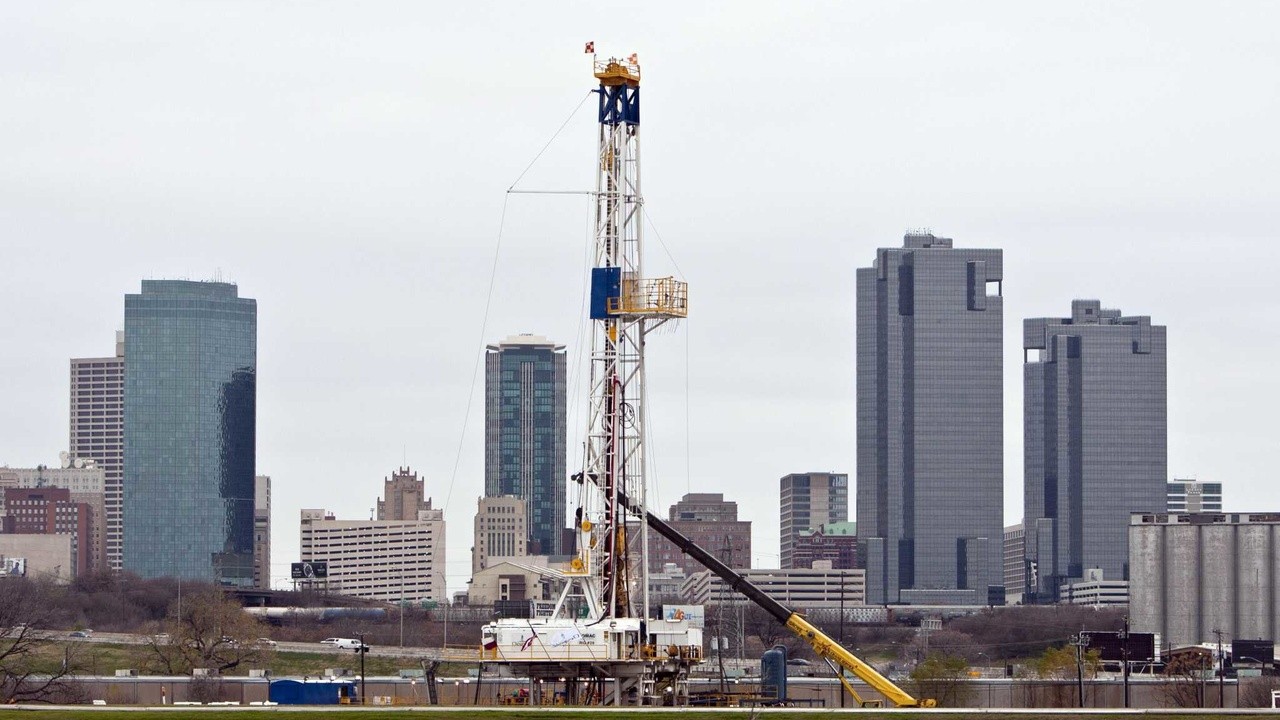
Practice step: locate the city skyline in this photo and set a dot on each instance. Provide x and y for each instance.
(355, 203)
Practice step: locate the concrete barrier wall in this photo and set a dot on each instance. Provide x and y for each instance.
(1144, 692)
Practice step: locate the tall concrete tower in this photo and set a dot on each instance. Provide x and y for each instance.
(930, 418)
(1096, 440)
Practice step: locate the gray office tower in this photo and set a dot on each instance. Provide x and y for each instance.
(189, 406)
(525, 435)
(930, 414)
(1094, 389)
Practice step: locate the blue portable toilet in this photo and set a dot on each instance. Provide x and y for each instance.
(773, 674)
(313, 692)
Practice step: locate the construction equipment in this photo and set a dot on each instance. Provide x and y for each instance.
(598, 643)
(836, 656)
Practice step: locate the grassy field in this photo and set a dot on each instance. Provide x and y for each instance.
(105, 659)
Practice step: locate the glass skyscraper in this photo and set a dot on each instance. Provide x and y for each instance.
(1096, 440)
(525, 435)
(190, 395)
(930, 424)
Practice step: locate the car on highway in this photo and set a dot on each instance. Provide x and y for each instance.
(80, 633)
(342, 643)
(266, 642)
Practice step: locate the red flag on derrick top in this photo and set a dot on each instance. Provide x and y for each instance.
(591, 48)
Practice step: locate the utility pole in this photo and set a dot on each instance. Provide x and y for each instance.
(727, 550)
(362, 651)
(842, 576)
(1222, 668)
(1080, 642)
(1124, 649)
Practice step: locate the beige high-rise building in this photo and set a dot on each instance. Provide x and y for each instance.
(386, 559)
(501, 530)
(262, 531)
(404, 495)
(97, 433)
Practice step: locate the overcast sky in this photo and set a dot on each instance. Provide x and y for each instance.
(346, 164)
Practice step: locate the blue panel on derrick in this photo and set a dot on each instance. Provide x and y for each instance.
(606, 284)
(619, 104)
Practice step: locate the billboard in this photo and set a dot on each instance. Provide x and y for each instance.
(1253, 651)
(1142, 646)
(694, 614)
(309, 570)
(15, 567)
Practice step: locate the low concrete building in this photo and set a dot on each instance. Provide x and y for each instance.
(390, 560)
(506, 579)
(665, 584)
(1193, 496)
(1193, 574)
(37, 556)
(1094, 590)
(797, 588)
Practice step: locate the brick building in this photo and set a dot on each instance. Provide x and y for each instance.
(710, 521)
(50, 511)
(836, 542)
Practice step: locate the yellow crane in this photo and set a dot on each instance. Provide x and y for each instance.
(840, 659)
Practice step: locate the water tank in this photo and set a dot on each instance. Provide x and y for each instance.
(773, 673)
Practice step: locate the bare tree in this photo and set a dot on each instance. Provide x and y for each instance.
(758, 622)
(1184, 679)
(34, 665)
(205, 630)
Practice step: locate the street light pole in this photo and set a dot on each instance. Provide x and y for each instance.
(1080, 642)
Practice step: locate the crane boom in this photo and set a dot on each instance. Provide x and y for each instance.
(826, 648)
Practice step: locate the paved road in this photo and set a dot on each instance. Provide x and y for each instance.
(292, 647)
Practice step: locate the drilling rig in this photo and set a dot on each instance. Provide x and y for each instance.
(601, 644)
(598, 642)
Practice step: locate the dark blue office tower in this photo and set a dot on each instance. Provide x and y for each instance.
(190, 400)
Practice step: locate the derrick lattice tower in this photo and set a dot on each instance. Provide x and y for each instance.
(625, 307)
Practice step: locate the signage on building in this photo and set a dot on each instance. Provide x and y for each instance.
(1261, 652)
(309, 570)
(1111, 647)
(13, 567)
(693, 614)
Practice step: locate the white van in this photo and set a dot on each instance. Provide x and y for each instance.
(342, 643)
